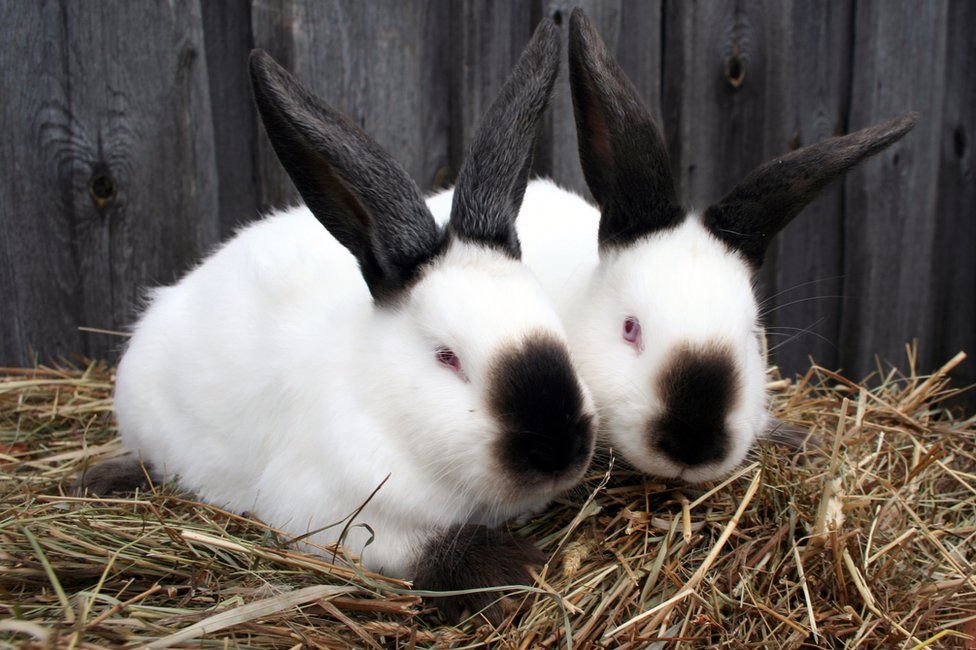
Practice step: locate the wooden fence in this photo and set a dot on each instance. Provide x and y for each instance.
(130, 145)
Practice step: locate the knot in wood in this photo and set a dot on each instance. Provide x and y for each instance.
(101, 186)
(735, 71)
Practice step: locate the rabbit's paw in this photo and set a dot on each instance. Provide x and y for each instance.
(476, 557)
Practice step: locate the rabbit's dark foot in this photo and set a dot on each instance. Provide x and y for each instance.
(117, 476)
(473, 557)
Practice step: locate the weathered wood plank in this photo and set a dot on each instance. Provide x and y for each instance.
(381, 63)
(632, 31)
(273, 23)
(891, 200)
(954, 265)
(807, 261)
(487, 38)
(725, 108)
(112, 168)
(131, 142)
(745, 81)
(38, 277)
(228, 38)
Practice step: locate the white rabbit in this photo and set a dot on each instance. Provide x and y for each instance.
(659, 303)
(300, 368)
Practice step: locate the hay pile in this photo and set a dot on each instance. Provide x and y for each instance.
(867, 539)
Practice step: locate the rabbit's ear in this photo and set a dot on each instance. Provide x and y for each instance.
(354, 188)
(622, 151)
(491, 183)
(750, 215)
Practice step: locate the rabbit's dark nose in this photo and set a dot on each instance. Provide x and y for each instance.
(697, 388)
(536, 397)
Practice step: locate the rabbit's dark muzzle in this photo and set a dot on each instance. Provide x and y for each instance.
(536, 396)
(698, 389)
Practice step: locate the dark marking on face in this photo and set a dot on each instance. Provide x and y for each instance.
(535, 395)
(473, 557)
(698, 389)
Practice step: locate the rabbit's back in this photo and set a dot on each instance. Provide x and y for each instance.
(557, 229)
(246, 380)
(214, 373)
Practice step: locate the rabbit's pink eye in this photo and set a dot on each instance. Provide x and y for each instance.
(632, 332)
(447, 358)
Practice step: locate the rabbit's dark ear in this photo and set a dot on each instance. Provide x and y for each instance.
(750, 215)
(492, 180)
(622, 151)
(354, 188)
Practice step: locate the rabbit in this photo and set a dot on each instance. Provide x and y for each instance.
(347, 366)
(658, 301)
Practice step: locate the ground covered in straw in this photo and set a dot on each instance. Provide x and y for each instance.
(866, 539)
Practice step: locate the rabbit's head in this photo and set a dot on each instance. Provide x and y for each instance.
(668, 338)
(463, 355)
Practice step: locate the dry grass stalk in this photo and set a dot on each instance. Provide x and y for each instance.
(867, 542)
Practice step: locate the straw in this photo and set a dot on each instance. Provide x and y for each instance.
(866, 538)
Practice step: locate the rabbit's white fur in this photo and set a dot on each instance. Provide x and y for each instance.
(268, 381)
(557, 231)
(350, 372)
(684, 286)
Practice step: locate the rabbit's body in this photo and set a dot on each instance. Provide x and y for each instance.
(350, 371)
(296, 435)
